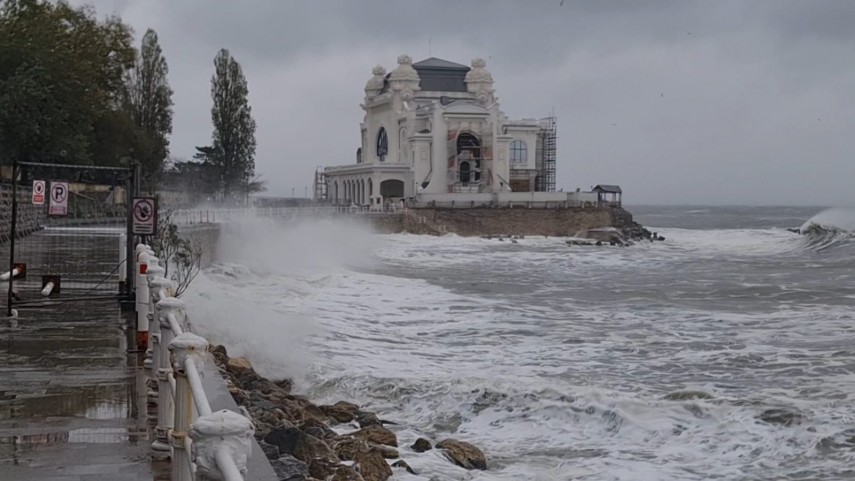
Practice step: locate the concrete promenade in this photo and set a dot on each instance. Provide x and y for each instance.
(72, 395)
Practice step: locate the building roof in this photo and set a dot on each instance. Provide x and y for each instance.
(608, 188)
(438, 75)
(434, 62)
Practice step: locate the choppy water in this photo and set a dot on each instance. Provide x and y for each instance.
(557, 360)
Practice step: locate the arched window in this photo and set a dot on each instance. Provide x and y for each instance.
(519, 152)
(382, 145)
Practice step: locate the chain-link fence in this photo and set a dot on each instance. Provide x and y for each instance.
(68, 238)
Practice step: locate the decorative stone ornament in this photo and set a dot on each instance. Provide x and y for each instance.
(405, 70)
(375, 83)
(226, 432)
(480, 81)
(187, 345)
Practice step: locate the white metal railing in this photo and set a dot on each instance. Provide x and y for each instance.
(201, 444)
(205, 216)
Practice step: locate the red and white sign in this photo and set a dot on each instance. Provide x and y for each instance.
(38, 192)
(58, 198)
(145, 215)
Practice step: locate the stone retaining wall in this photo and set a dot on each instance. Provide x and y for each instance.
(206, 237)
(486, 221)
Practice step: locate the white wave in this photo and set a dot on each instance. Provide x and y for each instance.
(837, 218)
(560, 387)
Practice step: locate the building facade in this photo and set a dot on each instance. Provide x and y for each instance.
(434, 128)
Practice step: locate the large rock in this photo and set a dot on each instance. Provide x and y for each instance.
(378, 435)
(342, 411)
(239, 366)
(323, 468)
(221, 357)
(365, 419)
(372, 466)
(463, 454)
(346, 473)
(289, 468)
(298, 444)
(421, 445)
(317, 429)
(346, 447)
(403, 465)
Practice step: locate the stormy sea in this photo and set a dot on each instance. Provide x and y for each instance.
(724, 352)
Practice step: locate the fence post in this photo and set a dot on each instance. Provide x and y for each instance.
(162, 367)
(222, 443)
(142, 297)
(184, 346)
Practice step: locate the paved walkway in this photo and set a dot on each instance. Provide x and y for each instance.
(72, 399)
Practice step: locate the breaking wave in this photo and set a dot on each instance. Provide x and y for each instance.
(718, 354)
(831, 228)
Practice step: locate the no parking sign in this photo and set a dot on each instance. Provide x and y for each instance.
(58, 198)
(145, 215)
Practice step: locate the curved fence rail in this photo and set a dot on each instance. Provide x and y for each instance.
(219, 215)
(201, 444)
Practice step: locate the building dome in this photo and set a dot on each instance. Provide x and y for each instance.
(405, 70)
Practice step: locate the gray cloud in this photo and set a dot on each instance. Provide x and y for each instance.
(678, 101)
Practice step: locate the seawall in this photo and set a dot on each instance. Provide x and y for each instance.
(205, 237)
(519, 221)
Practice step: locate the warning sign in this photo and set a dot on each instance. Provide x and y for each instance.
(145, 216)
(58, 198)
(38, 192)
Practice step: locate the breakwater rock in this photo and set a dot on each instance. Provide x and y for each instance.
(340, 442)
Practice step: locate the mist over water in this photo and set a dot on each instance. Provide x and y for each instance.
(558, 361)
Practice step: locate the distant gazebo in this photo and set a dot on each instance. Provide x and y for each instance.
(608, 195)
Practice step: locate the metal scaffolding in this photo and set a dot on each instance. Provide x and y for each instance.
(545, 181)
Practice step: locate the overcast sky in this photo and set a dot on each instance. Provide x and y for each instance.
(689, 102)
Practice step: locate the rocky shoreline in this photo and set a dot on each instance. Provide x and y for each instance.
(301, 443)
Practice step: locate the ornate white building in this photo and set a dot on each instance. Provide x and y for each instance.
(433, 129)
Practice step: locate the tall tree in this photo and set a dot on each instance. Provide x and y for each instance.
(149, 100)
(234, 127)
(61, 77)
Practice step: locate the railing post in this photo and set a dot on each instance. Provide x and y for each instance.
(162, 368)
(142, 297)
(182, 347)
(222, 443)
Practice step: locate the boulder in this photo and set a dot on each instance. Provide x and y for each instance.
(421, 445)
(269, 450)
(298, 444)
(285, 384)
(221, 357)
(346, 447)
(463, 454)
(238, 366)
(289, 468)
(317, 429)
(323, 468)
(403, 465)
(346, 473)
(372, 466)
(378, 435)
(366, 419)
(342, 411)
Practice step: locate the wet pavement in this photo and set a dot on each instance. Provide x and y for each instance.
(72, 396)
